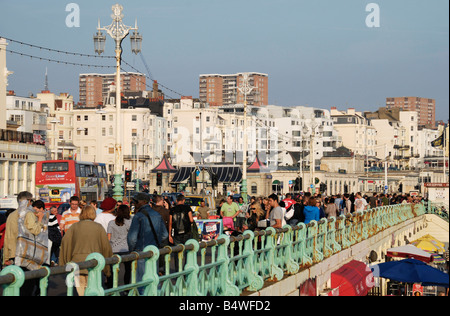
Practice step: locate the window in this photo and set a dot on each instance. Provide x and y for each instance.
(134, 118)
(55, 167)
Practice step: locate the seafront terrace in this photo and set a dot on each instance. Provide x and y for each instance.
(270, 262)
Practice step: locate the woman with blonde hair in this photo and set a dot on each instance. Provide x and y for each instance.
(256, 214)
(83, 238)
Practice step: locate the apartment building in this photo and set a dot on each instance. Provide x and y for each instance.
(425, 108)
(143, 135)
(94, 87)
(220, 90)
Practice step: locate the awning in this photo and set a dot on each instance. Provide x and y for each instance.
(182, 174)
(352, 279)
(227, 174)
(410, 251)
(257, 166)
(165, 166)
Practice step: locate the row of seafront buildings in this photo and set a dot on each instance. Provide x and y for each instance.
(342, 151)
(349, 149)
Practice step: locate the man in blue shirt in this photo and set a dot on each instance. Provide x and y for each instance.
(147, 228)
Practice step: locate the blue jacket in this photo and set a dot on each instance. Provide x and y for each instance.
(140, 234)
(311, 213)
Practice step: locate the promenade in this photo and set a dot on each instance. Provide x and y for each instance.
(234, 266)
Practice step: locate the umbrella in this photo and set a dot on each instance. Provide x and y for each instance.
(411, 271)
(410, 251)
(437, 258)
(430, 243)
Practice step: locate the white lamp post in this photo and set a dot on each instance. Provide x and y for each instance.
(245, 88)
(118, 31)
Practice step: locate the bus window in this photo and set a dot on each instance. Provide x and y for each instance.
(82, 171)
(55, 167)
(105, 175)
(77, 170)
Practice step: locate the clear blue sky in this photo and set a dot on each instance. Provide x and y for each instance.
(318, 53)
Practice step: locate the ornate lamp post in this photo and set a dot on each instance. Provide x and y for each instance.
(245, 88)
(118, 31)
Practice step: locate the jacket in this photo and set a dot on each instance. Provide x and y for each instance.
(140, 234)
(311, 213)
(82, 239)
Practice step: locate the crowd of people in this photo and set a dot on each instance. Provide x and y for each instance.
(34, 237)
(279, 210)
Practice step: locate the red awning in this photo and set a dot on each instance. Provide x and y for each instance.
(352, 279)
(411, 252)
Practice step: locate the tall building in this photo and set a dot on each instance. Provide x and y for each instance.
(94, 88)
(424, 107)
(220, 90)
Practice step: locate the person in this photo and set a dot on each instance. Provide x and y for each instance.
(360, 203)
(203, 211)
(117, 233)
(158, 205)
(373, 201)
(219, 207)
(298, 212)
(81, 239)
(108, 206)
(180, 222)
(384, 200)
(147, 228)
(331, 209)
(166, 203)
(54, 234)
(347, 205)
(288, 201)
(229, 211)
(311, 211)
(276, 215)
(26, 238)
(94, 203)
(240, 217)
(71, 216)
(256, 215)
(320, 207)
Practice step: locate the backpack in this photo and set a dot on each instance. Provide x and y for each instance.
(178, 223)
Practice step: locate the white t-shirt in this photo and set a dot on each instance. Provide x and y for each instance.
(104, 219)
(360, 204)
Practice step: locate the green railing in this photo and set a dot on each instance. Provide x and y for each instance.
(227, 266)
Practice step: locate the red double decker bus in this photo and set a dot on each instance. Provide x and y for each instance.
(58, 180)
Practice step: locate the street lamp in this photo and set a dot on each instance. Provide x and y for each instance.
(118, 31)
(245, 88)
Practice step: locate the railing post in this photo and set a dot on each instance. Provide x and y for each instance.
(276, 273)
(193, 268)
(13, 289)
(94, 283)
(228, 289)
(291, 266)
(255, 281)
(151, 271)
(301, 238)
(43, 283)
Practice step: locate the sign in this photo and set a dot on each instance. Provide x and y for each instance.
(312, 186)
(209, 229)
(436, 185)
(386, 187)
(417, 290)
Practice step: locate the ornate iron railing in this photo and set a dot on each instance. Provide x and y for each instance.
(227, 266)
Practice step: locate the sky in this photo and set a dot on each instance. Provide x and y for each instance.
(318, 53)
